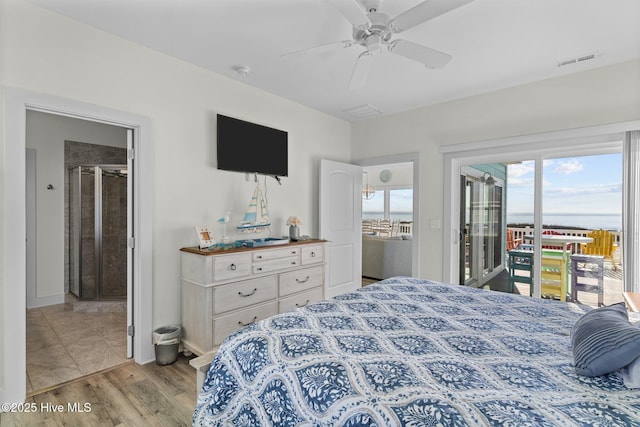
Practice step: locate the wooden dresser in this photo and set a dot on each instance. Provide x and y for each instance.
(224, 290)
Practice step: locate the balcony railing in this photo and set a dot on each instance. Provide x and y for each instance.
(520, 232)
(387, 228)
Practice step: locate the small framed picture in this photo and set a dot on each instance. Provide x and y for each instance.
(205, 237)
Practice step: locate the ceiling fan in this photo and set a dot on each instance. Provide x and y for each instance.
(374, 30)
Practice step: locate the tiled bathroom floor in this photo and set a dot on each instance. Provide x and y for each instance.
(63, 345)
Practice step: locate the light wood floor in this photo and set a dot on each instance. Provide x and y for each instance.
(130, 395)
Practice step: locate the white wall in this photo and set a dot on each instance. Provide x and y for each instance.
(46, 134)
(3, 225)
(602, 96)
(45, 53)
(401, 175)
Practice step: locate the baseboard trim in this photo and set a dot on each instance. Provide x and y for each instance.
(45, 301)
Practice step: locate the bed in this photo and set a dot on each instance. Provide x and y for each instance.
(407, 351)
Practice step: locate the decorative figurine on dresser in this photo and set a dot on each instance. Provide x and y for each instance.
(224, 289)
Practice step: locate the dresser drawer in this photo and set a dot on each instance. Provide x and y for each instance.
(246, 292)
(300, 300)
(269, 254)
(312, 254)
(300, 280)
(229, 323)
(275, 264)
(231, 266)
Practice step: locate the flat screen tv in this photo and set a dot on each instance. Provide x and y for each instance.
(250, 147)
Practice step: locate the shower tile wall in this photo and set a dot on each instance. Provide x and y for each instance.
(114, 236)
(76, 153)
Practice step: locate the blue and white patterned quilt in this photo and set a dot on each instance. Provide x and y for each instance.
(412, 352)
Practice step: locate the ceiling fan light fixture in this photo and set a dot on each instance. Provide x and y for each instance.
(373, 30)
(373, 43)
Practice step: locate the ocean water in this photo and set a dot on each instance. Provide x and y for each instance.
(586, 221)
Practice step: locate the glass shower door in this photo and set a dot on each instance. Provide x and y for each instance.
(82, 224)
(113, 247)
(98, 232)
(75, 228)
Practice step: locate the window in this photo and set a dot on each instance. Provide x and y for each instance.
(394, 204)
(374, 208)
(400, 204)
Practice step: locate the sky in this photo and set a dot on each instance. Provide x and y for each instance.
(572, 185)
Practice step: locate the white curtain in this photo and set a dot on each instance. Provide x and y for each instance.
(631, 211)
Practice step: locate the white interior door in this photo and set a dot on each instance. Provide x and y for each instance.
(341, 225)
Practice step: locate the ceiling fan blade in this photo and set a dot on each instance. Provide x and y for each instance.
(354, 13)
(423, 12)
(361, 70)
(318, 50)
(431, 58)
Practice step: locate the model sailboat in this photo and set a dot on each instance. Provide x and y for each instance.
(256, 218)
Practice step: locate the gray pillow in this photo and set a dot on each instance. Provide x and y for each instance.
(604, 341)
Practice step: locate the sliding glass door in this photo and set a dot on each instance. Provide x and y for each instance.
(549, 160)
(481, 223)
(552, 207)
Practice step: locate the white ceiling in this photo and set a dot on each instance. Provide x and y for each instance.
(494, 43)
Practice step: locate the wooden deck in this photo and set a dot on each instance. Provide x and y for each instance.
(613, 289)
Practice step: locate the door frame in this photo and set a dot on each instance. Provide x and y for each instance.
(405, 158)
(603, 139)
(17, 102)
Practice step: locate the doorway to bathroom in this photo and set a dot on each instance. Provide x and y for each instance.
(78, 262)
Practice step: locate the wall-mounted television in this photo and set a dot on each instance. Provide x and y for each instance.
(250, 147)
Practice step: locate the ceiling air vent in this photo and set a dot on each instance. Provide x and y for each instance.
(578, 59)
(364, 111)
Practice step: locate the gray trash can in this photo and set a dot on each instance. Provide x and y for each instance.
(166, 341)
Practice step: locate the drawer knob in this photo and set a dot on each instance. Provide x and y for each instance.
(306, 279)
(259, 269)
(249, 294)
(233, 267)
(259, 256)
(313, 254)
(247, 324)
(302, 305)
